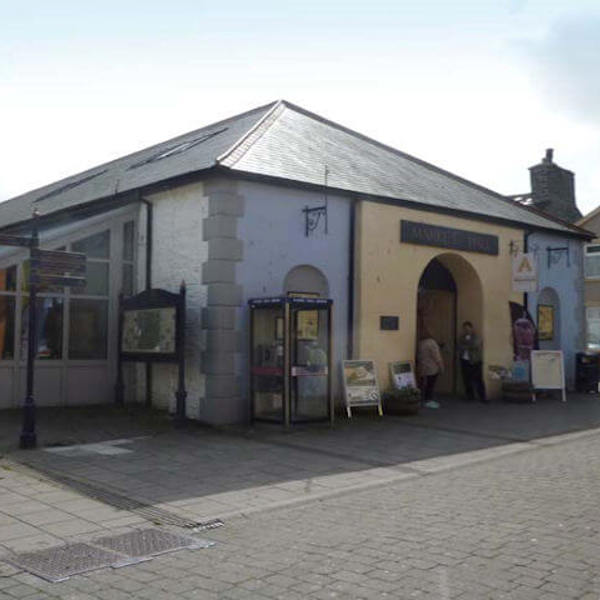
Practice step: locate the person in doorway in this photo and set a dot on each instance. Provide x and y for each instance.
(470, 352)
(430, 364)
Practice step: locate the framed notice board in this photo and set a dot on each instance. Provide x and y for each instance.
(152, 329)
(548, 371)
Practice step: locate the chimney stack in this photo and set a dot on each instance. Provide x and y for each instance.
(553, 189)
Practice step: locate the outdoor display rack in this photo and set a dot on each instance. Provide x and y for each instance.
(291, 351)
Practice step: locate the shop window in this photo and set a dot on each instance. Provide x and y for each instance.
(8, 279)
(592, 260)
(96, 280)
(88, 327)
(95, 246)
(49, 316)
(593, 326)
(7, 327)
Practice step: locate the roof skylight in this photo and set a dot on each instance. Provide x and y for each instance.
(177, 149)
(70, 185)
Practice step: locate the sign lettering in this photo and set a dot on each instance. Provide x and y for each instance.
(43, 279)
(53, 260)
(423, 234)
(524, 272)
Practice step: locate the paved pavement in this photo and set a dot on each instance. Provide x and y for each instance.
(466, 502)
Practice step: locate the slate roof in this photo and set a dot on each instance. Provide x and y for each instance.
(284, 141)
(188, 153)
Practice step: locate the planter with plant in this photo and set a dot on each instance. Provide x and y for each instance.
(404, 401)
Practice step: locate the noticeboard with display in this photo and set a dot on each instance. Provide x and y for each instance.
(150, 330)
(151, 326)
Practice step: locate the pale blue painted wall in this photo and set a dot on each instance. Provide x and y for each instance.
(273, 233)
(565, 277)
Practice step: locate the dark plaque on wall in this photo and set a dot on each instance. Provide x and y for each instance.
(388, 323)
(447, 237)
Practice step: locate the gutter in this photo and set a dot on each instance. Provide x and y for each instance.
(411, 204)
(218, 169)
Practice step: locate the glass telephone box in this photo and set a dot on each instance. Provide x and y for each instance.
(290, 359)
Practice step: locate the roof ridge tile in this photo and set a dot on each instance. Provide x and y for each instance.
(243, 144)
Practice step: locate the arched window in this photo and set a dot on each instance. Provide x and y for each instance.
(308, 279)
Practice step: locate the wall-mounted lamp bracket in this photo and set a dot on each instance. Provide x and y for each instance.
(312, 217)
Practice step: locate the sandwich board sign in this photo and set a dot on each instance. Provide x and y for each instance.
(360, 385)
(402, 375)
(524, 272)
(548, 371)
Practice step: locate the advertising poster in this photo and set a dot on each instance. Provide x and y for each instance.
(307, 321)
(360, 384)
(545, 313)
(402, 375)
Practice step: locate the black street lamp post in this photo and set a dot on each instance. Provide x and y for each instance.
(28, 434)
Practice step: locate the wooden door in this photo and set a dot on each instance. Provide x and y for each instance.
(437, 308)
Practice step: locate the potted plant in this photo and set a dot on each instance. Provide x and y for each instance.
(402, 401)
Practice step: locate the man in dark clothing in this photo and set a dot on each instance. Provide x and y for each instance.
(470, 352)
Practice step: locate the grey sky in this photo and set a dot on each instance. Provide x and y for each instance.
(566, 63)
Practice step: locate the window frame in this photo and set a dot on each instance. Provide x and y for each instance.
(115, 262)
(15, 324)
(587, 328)
(70, 371)
(74, 297)
(586, 254)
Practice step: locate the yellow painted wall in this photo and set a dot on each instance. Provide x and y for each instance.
(387, 277)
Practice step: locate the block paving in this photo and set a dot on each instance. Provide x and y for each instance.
(407, 511)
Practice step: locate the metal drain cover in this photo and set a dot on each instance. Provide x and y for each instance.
(150, 542)
(205, 525)
(59, 563)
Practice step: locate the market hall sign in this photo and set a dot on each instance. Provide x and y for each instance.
(446, 237)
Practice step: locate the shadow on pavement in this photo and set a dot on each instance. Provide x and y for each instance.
(201, 472)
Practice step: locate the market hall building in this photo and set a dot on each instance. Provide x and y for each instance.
(272, 201)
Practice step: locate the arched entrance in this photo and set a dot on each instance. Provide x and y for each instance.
(448, 294)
